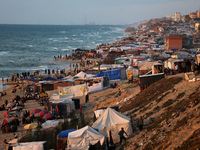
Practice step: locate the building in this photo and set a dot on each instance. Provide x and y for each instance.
(197, 26)
(176, 42)
(193, 15)
(177, 16)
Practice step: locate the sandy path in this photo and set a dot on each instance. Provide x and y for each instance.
(31, 104)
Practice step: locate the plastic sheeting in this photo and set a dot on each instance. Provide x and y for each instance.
(30, 145)
(112, 74)
(65, 133)
(77, 90)
(113, 121)
(82, 138)
(51, 123)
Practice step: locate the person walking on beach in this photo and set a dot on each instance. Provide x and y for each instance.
(121, 135)
(140, 123)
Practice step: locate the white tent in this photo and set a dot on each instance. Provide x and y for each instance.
(61, 97)
(113, 121)
(82, 138)
(39, 145)
(51, 123)
(83, 75)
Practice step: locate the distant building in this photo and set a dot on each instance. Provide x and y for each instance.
(198, 14)
(197, 26)
(193, 15)
(176, 42)
(186, 18)
(176, 17)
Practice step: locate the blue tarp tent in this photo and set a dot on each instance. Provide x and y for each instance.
(112, 74)
(65, 133)
(27, 80)
(49, 79)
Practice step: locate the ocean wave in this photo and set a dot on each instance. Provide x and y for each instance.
(62, 31)
(65, 49)
(29, 45)
(3, 53)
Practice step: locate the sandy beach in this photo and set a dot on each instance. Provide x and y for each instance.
(96, 100)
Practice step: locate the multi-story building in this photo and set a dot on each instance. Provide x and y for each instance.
(176, 42)
(193, 15)
(177, 16)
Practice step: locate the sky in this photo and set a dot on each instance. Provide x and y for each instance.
(78, 12)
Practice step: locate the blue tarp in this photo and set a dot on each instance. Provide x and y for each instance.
(112, 74)
(49, 79)
(27, 80)
(65, 133)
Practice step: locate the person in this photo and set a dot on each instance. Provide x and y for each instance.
(80, 110)
(140, 123)
(87, 98)
(121, 135)
(176, 68)
(6, 102)
(15, 136)
(119, 92)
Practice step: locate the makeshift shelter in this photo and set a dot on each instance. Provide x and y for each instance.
(49, 79)
(145, 67)
(85, 137)
(77, 90)
(131, 72)
(83, 75)
(58, 97)
(99, 112)
(63, 106)
(172, 62)
(64, 83)
(197, 59)
(39, 145)
(113, 74)
(113, 121)
(62, 138)
(51, 123)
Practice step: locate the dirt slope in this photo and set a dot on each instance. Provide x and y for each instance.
(173, 104)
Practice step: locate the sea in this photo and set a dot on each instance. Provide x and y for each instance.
(26, 48)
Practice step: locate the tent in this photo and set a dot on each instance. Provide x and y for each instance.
(63, 106)
(131, 72)
(65, 133)
(57, 97)
(49, 79)
(39, 145)
(84, 137)
(62, 138)
(83, 75)
(51, 123)
(113, 121)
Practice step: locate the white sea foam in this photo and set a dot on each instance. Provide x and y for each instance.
(3, 53)
(29, 45)
(65, 49)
